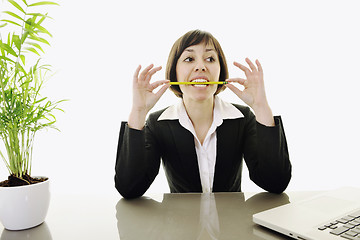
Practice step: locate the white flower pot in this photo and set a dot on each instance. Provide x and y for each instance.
(24, 207)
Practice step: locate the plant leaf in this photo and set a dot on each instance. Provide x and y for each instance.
(7, 59)
(39, 15)
(24, 36)
(2, 50)
(43, 3)
(36, 45)
(14, 15)
(16, 41)
(60, 109)
(7, 48)
(3, 25)
(40, 100)
(22, 57)
(15, 4)
(19, 67)
(9, 21)
(32, 50)
(42, 19)
(42, 29)
(39, 39)
(25, 2)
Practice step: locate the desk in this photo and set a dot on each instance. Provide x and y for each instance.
(156, 216)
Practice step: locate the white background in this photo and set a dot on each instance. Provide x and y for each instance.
(309, 51)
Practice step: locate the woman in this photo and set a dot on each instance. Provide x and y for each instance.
(202, 140)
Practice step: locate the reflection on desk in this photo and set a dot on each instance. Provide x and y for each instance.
(157, 216)
(40, 232)
(196, 216)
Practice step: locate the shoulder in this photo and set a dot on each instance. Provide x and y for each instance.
(155, 115)
(245, 110)
(160, 127)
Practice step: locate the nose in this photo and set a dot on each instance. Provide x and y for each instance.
(200, 66)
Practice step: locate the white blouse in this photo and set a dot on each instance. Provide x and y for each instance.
(206, 153)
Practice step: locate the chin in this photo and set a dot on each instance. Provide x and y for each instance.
(202, 98)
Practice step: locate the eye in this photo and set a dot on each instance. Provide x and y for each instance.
(210, 59)
(188, 59)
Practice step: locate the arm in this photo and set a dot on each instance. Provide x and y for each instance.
(137, 161)
(253, 93)
(144, 98)
(266, 155)
(265, 152)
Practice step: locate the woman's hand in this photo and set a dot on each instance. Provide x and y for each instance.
(253, 93)
(144, 99)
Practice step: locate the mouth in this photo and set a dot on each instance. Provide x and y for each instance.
(198, 82)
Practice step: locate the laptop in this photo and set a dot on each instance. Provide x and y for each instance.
(330, 215)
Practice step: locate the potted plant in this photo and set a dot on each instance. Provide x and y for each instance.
(24, 199)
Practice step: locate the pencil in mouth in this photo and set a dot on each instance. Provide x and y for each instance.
(195, 83)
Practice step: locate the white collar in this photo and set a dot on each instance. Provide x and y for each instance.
(226, 110)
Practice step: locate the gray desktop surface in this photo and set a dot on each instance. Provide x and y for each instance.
(156, 216)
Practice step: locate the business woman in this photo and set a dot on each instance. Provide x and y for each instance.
(202, 140)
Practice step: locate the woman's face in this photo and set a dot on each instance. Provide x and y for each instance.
(198, 63)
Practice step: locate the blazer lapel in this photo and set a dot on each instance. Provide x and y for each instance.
(226, 142)
(185, 146)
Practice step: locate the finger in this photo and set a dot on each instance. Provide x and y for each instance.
(152, 72)
(162, 91)
(136, 74)
(156, 84)
(237, 80)
(242, 67)
(235, 90)
(145, 71)
(259, 65)
(251, 65)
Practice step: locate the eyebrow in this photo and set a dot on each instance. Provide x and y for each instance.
(206, 50)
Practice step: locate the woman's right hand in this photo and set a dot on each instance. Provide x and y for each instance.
(144, 99)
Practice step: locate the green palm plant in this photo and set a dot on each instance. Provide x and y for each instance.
(23, 111)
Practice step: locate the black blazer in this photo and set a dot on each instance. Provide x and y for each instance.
(264, 150)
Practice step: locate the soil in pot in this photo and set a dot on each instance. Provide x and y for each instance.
(14, 181)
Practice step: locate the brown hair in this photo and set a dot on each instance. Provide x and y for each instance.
(191, 38)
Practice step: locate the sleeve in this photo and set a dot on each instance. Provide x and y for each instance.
(137, 161)
(266, 155)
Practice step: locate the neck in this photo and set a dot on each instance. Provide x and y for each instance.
(201, 116)
(199, 112)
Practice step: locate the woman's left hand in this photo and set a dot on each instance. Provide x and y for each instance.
(253, 93)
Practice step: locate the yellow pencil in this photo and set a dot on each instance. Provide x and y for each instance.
(193, 83)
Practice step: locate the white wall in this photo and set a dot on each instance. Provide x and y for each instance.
(309, 51)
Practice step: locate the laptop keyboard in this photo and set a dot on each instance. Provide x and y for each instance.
(347, 227)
